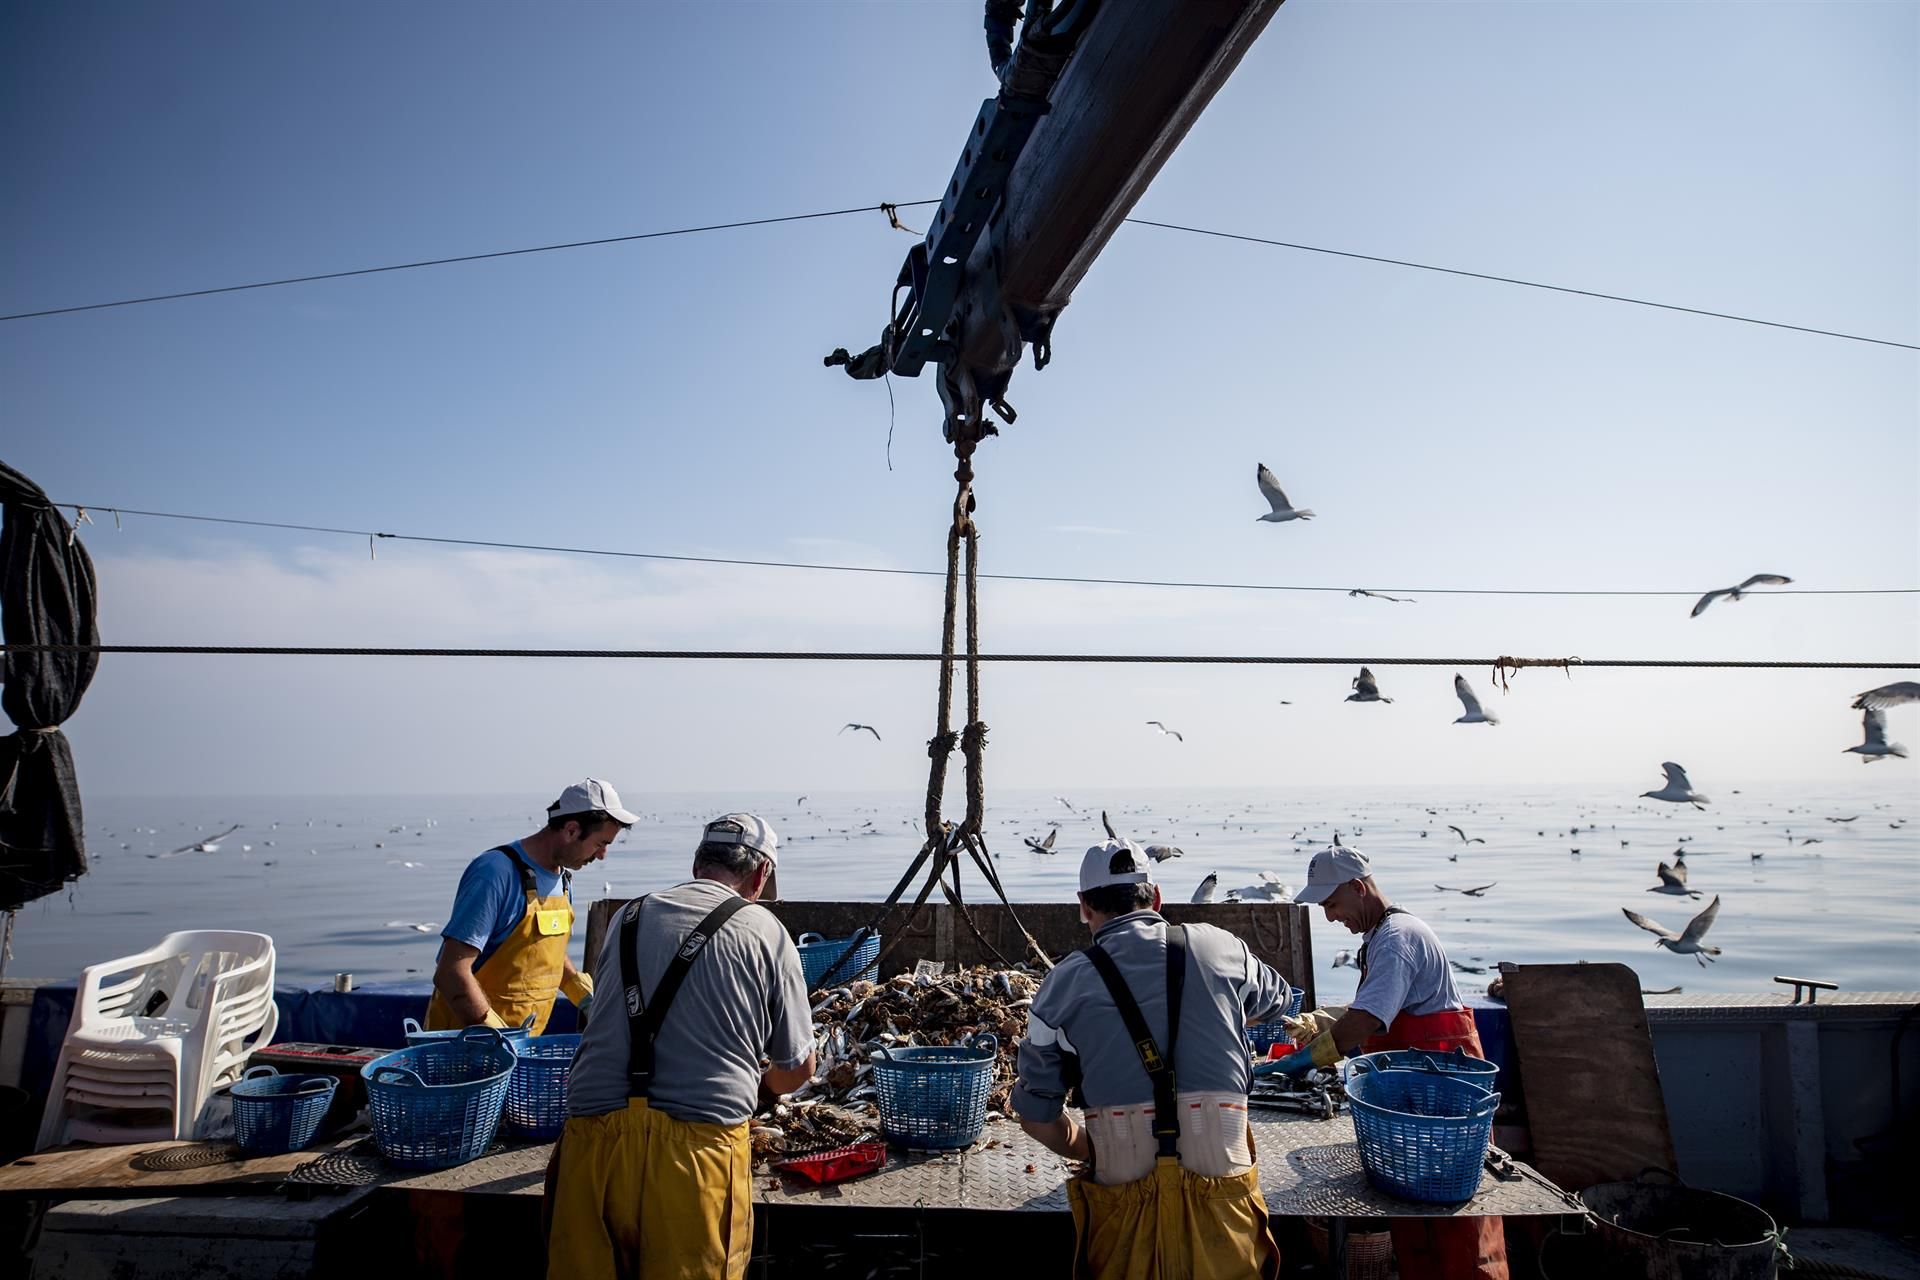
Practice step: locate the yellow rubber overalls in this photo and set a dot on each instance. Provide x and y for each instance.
(522, 976)
(1173, 1224)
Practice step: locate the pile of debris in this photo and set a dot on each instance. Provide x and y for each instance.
(853, 1022)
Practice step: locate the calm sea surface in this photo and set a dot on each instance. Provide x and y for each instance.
(325, 876)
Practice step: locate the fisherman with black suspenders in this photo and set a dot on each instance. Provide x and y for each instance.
(653, 1173)
(1150, 1021)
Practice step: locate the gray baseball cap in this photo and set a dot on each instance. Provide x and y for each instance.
(1332, 867)
(590, 795)
(746, 829)
(1115, 862)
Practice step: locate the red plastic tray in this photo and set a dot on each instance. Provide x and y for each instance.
(838, 1164)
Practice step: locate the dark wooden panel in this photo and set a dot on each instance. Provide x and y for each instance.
(1592, 1087)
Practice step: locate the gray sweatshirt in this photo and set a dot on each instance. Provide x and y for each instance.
(1226, 988)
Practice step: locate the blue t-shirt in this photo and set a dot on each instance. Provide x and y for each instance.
(490, 904)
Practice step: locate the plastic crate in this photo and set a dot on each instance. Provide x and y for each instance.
(1422, 1132)
(935, 1098)
(1262, 1036)
(437, 1105)
(274, 1114)
(821, 954)
(537, 1093)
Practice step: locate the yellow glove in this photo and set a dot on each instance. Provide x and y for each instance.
(495, 1020)
(578, 988)
(1312, 1023)
(1324, 1051)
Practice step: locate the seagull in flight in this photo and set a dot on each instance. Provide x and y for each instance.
(1043, 846)
(1345, 960)
(210, 845)
(1161, 852)
(1282, 509)
(1205, 892)
(869, 728)
(1172, 733)
(1873, 723)
(1888, 695)
(1464, 838)
(1477, 891)
(1474, 715)
(1381, 595)
(1366, 689)
(1673, 879)
(1678, 790)
(1687, 941)
(1063, 800)
(1739, 592)
(418, 926)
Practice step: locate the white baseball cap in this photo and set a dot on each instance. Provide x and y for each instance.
(1332, 867)
(589, 796)
(1115, 862)
(746, 829)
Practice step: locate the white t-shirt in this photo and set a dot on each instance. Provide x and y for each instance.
(1407, 971)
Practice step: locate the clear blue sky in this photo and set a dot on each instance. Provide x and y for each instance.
(668, 396)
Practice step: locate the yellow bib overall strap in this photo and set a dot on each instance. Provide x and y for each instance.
(522, 976)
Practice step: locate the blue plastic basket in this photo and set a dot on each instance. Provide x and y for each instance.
(935, 1098)
(1262, 1036)
(274, 1114)
(437, 1105)
(515, 1036)
(1455, 1062)
(537, 1093)
(1422, 1133)
(821, 954)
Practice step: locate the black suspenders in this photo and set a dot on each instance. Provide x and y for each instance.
(644, 1019)
(1361, 960)
(1159, 1067)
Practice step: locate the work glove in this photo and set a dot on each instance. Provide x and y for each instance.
(579, 989)
(1312, 1024)
(1323, 1052)
(495, 1020)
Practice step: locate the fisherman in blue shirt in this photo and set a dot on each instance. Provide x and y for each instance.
(503, 952)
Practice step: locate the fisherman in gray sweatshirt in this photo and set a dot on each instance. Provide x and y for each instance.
(1172, 1168)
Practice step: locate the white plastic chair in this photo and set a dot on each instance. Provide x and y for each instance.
(154, 1035)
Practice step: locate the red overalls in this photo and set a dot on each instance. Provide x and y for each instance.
(1441, 1248)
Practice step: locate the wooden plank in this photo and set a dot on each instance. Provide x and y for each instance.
(1585, 1060)
(155, 1168)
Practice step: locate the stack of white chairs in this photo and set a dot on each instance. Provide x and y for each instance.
(154, 1035)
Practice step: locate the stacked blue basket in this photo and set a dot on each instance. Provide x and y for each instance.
(274, 1114)
(821, 954)
(935, 1098)
(1262, 1036)
(438, 1104)
(416, 1035)
(537, 1093)
(1423, 1129)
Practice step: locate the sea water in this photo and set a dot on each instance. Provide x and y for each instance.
(337, 881)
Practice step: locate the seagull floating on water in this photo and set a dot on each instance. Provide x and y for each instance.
(1873, 723)
(1268, 888)
(1687, 941)
(1474, 715)
(1366, 688)
(1739, 592)
(1678, 790)
(418, 926)
(1282, 509)
(869, 728)
(1171, 733)
(1888, 695)
(1205, 892)
(1043, 846)
(1673, 879)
